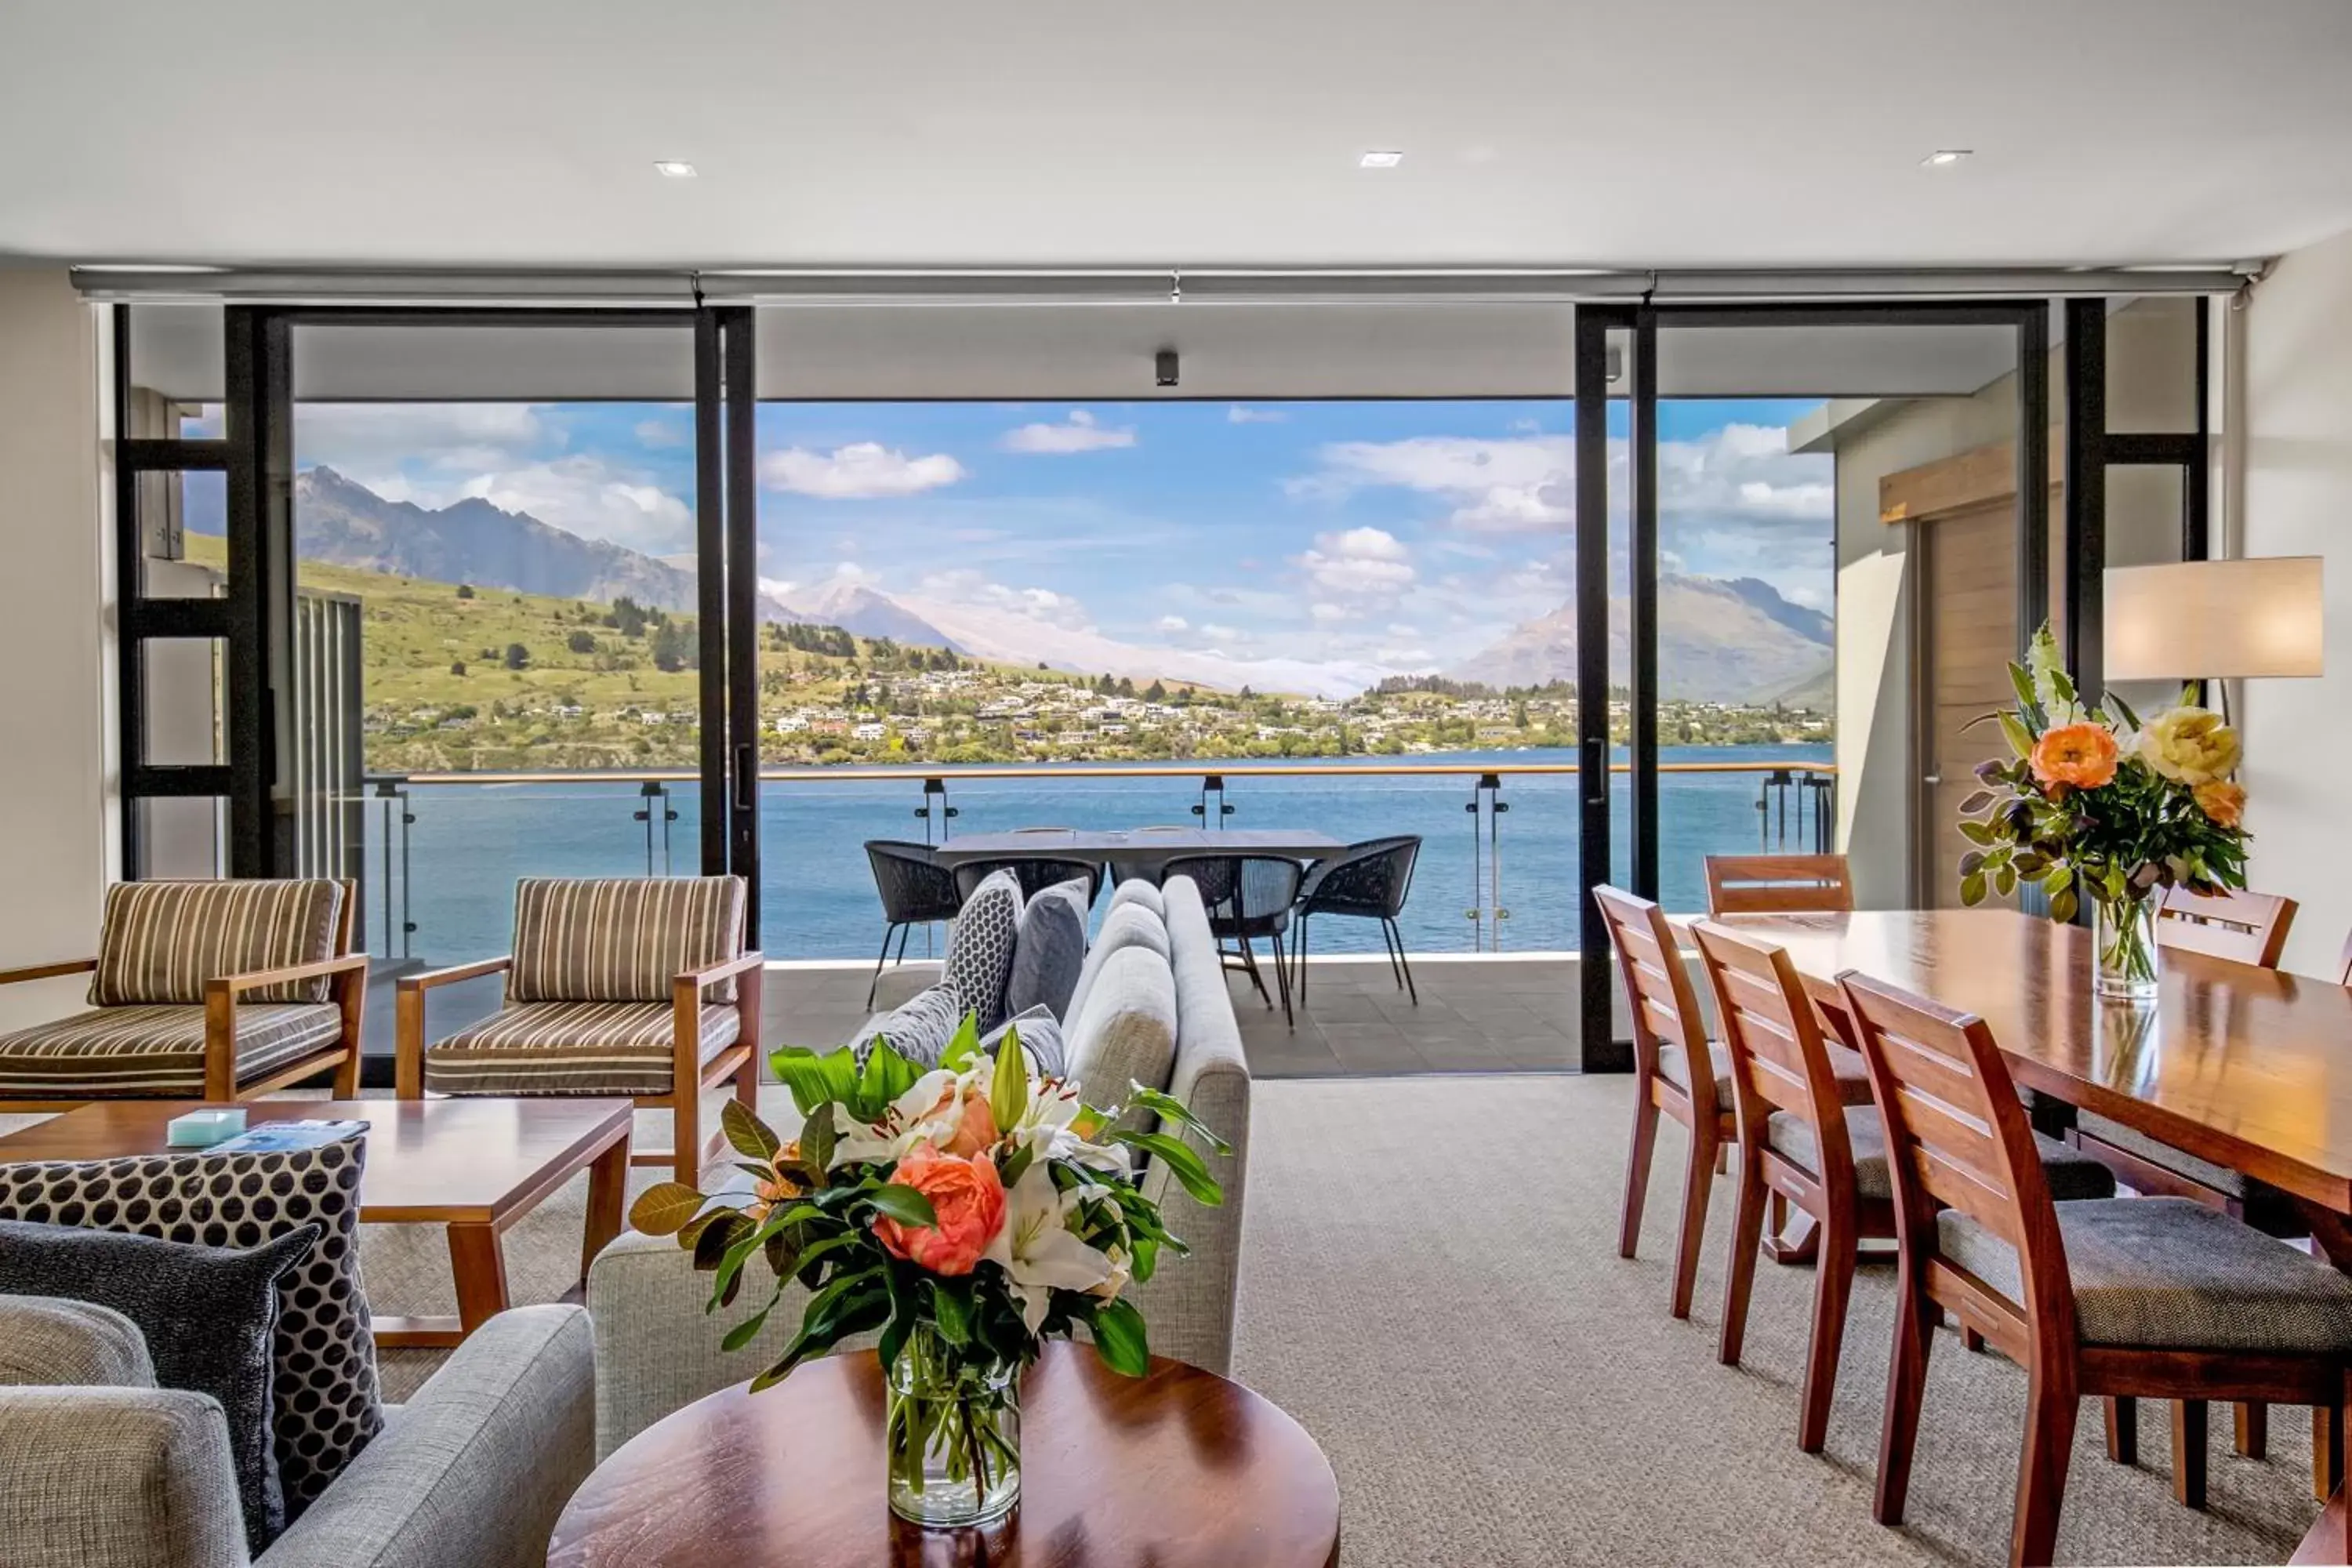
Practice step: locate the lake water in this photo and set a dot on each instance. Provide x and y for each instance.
(468, 844)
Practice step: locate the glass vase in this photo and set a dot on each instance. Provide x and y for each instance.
(954, 1437)
(2123, 937)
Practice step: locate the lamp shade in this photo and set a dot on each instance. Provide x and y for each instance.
(2224, 620)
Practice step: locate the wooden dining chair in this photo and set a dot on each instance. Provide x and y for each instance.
(1777, 885)
(1669, 1037)
(2155, 1298)
(1797, 1138)
(2243, 927)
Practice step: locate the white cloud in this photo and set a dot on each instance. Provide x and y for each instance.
(372, 437)
(777, 587)
(860, 471)
(1173, 623)
(1224, 633)
(1326, 614)
(1366, 565)
(1240, 414)
(660, 433)
(973, 589)
(586, 496)
(851, 572)
(1079, 433)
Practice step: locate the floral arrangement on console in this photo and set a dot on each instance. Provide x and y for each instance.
(969, 1213)
(2101, 806)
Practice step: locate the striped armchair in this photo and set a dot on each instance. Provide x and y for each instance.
(621, 987)
(223, 990)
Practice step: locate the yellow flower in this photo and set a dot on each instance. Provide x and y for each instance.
(2189, 746)
(2225, 804)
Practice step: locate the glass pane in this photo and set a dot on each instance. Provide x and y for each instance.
(182, 836)
(495, 639)
(1818, 489)
(2152, 365)
(183, 534)
(185, 716)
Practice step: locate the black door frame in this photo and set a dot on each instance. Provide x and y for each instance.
(257, 456)
(2028, 319)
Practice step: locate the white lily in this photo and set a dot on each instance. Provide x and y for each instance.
(1047, 1129)
(1037, 1249)
(905, 1123)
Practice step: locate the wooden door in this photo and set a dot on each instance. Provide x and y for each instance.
(1969, 610)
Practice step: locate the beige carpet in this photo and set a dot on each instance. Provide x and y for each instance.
(1431, 1285)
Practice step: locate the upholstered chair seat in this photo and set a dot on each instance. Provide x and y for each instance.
(2072, 1174)
(571, 1048)
(215, 989)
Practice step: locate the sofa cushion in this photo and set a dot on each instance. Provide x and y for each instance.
(124, 1478)
(325, 1402)
(1126, 1032)
(1136, 891)
(2171, 1274)
(50, 1341)
(979, 963)
(571, 1048)
(154, 1049)
(918, 1028)
(159, 942)
(621, 939)
(1049, 950)
(208, 1312)
(1129, 925)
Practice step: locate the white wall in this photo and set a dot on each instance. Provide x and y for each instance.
(2298, 501)
(57, 799)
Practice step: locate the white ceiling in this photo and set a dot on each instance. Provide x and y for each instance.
(1108, 132)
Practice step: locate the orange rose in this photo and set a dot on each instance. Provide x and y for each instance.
(2081, 755)
(2225, 803)
(975, 1130)
(778, 1184)
(967, 1198)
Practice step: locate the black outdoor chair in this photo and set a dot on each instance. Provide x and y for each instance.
(915, 890)
(1035, 874)
(1365, 881)
(1247, 897)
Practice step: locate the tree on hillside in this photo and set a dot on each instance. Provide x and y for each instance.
(628, 617)
(673, 649)
(1126, 686)
(458, 666)
(1155, 693)
(465, 590)
(517, 656)
(580, 642)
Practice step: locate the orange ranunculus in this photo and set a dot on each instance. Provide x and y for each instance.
(2224, 802)
(2079, 755)
(967, 1198)
(975, 1129)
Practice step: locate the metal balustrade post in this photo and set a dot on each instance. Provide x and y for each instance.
(649, 791)
(398, 819)
(939, 814)
(1213, 783)
(1486, 912)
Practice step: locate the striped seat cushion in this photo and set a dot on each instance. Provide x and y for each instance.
(570, 1047)
(621, 939)
(161, 941)
(151, 1049)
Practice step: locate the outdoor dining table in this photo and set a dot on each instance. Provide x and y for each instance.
(1145, 848)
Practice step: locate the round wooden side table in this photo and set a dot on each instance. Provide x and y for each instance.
(1180, 1468)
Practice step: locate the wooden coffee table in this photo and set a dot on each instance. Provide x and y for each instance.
(474, 1165)
(1177, 1470)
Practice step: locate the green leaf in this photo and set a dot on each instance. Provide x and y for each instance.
(2019, 738)
(744, 1332)
(2004, 881)
(951, 1307)
(886, 1075)
(2061, 877)
(1975, 803)
(903, 1204)
(2028, 709)
(712, 1245)
(1978, 832)
(1186, 1167)
(1168, 1108)
(964, 1049)
(2063, 906)
(815, 1079)
(1972, 889)
(818, 1139)
(666, 1207)
(2122, 710)
(747, 1135)
(1119, 1338)
(1008, 1093)
(1016, 1165)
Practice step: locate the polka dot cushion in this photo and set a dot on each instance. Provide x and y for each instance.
(325, 1401)
(979, 962)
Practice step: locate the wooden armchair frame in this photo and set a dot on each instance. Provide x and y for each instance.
(739, 1061)
(347, 974)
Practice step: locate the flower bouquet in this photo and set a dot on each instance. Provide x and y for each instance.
(2100, 806)
(967, 1214)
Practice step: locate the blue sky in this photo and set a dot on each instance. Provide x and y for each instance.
(1398, 535)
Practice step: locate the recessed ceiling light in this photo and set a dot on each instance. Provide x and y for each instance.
(673, 169)
(1380, 159)
(1945, 157)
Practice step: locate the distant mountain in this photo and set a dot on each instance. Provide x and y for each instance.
(855, 607)
(344, 523)
(1736, 641)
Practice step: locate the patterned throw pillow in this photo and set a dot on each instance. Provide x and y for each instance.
(325, 1397)
(161, 941)
(919, 1029)
(621, 939)
(1049, 950)
(207, 1315)
(980, 947)
(1041, 1038)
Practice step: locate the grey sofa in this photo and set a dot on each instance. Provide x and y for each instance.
(101, 1469)
(657, 1352)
